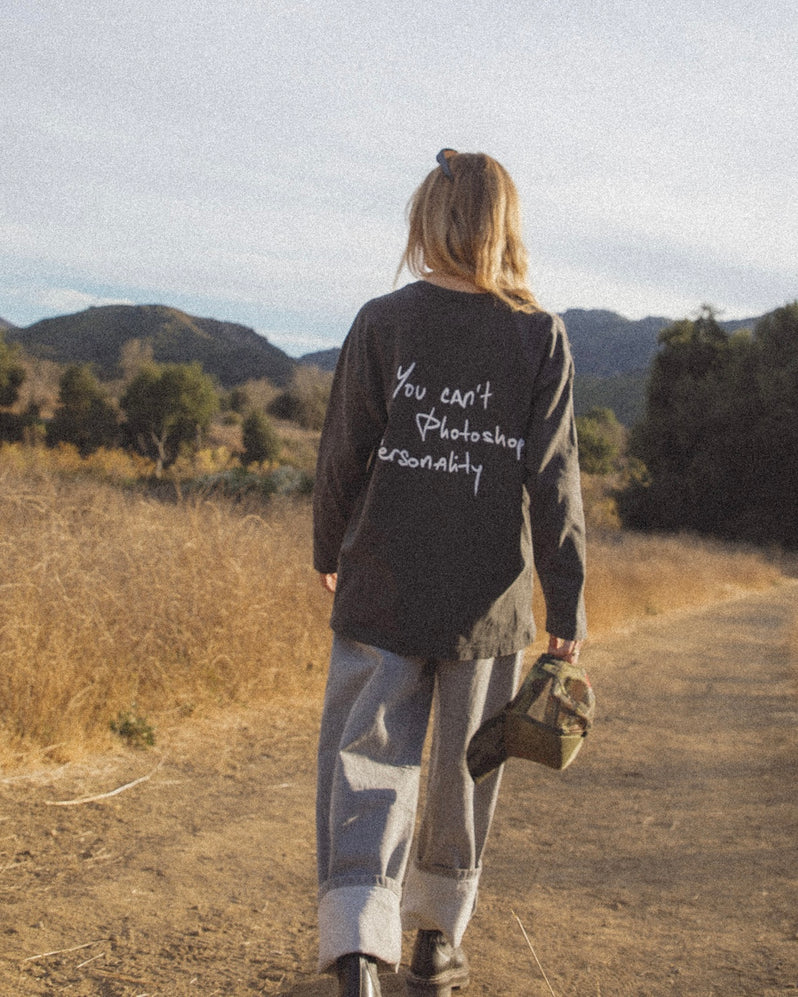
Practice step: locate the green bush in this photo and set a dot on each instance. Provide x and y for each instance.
(305, 399)
(85, 416)
(133, 728)
(259, 439)
(12, 373)
(601, 441)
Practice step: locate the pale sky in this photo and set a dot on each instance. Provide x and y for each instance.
(251, 160)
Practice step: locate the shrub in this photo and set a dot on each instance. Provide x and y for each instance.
(259, 439)
(305, 399)
(133, 728)
(601, 441)
(12, 373)
(85, 416)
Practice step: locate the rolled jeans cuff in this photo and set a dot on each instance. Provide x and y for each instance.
(359, 918)
(441, 901)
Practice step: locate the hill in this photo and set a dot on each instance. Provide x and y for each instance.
(605, 343)
(611, 354)
(323, 359)
(232, 353)
(624, 394)
(5, 326)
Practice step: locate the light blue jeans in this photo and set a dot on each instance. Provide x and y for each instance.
(376, 712)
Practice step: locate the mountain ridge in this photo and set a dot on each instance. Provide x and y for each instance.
(603, 342)
(231, 352)
(611, 353)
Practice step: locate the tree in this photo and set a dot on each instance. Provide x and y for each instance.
(135, 354)
(601, 439)
(12, 374)
(305, 399)
(85, 416)
(238, 400)
(719, 437)
(772, 440)
(168, 407)
(259, 439)
(676, 439)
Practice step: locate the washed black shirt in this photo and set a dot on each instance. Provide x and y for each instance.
(447, 457)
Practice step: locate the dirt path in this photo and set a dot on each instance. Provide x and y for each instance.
(664, 862)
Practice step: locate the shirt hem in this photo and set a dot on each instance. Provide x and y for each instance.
(440, 652)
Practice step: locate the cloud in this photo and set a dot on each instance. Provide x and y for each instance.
(64, 300)
(253, 160)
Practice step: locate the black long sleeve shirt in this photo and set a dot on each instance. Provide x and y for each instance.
(448, 462)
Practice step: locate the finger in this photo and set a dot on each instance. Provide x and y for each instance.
(567, 650)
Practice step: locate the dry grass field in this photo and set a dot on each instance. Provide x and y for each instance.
(660, 865)
(120, 610)
(116, 604)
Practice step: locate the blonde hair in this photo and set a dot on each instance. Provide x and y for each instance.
(466, 222)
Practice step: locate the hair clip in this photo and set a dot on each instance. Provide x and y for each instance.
(443, 161)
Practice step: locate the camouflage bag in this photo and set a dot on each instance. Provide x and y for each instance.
(546, 722)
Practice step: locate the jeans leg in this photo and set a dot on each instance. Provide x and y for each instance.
(373, 727)
(441, 887)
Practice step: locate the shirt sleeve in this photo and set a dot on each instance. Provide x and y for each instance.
(553, 483)
(353, 428)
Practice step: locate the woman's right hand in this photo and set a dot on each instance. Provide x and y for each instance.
(567, 650)
(328, 582)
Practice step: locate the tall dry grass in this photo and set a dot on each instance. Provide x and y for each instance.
(113, 603)
(631, 576)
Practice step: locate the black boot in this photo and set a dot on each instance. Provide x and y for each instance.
(437, 967)
(357, 976)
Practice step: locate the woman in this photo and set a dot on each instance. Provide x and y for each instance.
(447, 467)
